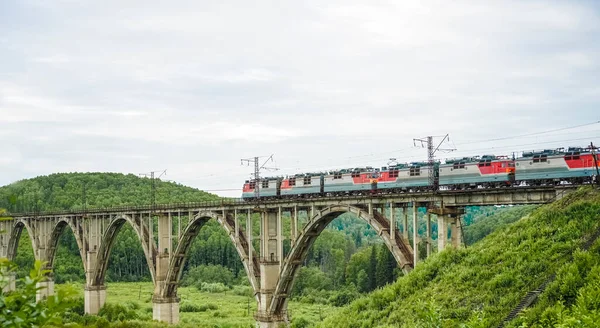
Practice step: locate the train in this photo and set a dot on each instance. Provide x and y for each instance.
(573, 165)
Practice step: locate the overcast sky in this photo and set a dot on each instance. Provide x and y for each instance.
(193, 86)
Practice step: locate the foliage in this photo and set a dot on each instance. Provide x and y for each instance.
(480, 285)
(573, 298)
(479, 227)
(206, 274)
(20, 309)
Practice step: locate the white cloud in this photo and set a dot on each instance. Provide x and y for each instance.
(193, 86)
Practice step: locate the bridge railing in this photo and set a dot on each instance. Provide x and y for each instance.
(133, 208)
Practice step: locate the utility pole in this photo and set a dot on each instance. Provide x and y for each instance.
(153, 185)
(595, 157)
(83, 197)
(257, 169)
(427, 142)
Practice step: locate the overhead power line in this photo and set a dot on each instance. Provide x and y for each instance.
(530, 134)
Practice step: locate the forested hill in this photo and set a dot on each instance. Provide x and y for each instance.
(480, 285)
(64, 191)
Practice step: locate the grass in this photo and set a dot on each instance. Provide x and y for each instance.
(217, 309)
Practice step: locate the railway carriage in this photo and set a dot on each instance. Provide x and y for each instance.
(486, 171)
(555, 166)
(405, 176)
(269, 187)
(302, 184)
(350, 181)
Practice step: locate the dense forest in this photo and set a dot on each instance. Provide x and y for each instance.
(346, 260)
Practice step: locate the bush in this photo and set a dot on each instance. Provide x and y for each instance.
(344, 296)
(207, 306)
(300, 322)
(208, 274)
(243, 291)
(114, 312)
(189, 307)
(213, 287)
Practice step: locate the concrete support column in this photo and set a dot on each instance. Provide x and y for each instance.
(94, 298)
(428, 234)
(11, 283)
(45, 289)
(456, 233)
(164, 309)
(279, 236)
(415, 236)
(269, 269)
(250, 239)
(392, 223)
(294, 226)
(236, 227)
(405, 223)
(442, 232)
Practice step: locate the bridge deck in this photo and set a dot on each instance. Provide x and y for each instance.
(455, 198)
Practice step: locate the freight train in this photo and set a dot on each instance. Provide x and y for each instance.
(550, 166)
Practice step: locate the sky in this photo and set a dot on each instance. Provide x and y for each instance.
(134, 86)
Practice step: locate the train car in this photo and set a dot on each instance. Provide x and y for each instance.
(302, 184)
(269, 187)
(398, 177)
(351, 181)
(485, 171)
(405, 176)
(573, 165)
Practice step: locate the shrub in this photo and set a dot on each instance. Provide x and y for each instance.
(208, 274)
(300, 322)
(189, 307)
(114, 312)
(243, 291)
(207, 306)
(213, 287)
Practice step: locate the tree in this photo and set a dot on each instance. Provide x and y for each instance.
(372, 269)
(20, 309)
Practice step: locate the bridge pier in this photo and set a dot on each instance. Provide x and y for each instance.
(45, 289)
(428, 224)
(94, 298)
(11, 282)
(270, 266)
(164, 309)
(405, 222)
(448, 215)
(415, 235)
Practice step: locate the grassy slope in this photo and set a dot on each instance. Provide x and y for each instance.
(480, 285)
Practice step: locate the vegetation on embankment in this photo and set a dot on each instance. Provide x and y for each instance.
(480, 285)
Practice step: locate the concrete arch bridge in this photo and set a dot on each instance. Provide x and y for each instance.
(167, 231)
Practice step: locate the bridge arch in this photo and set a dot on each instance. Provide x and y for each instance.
(107, 241)
(401, 251)
(190, 232)
(15, 236)
(52, 246)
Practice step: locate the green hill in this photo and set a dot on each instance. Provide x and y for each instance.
(479, 286)
(65, 191)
